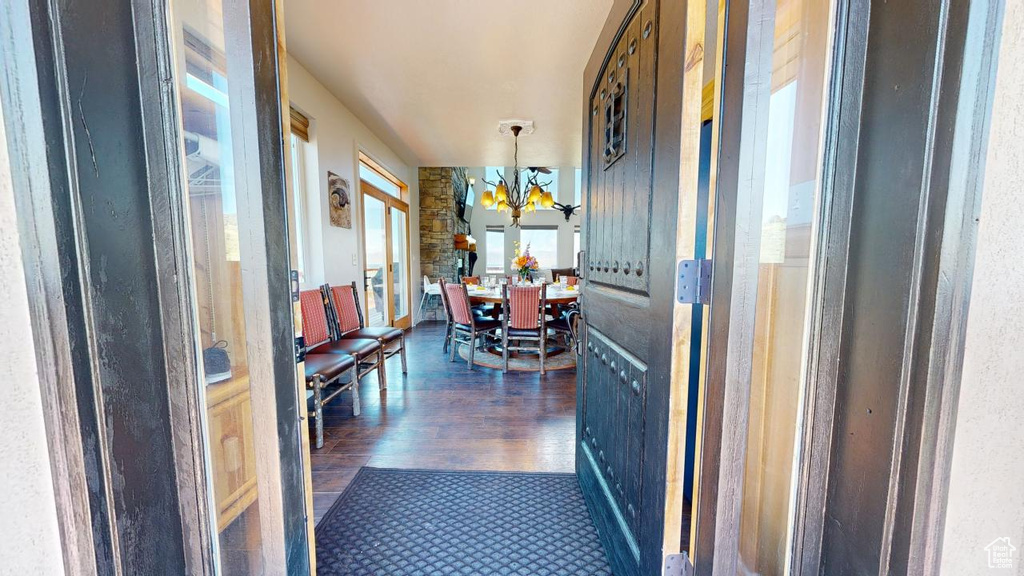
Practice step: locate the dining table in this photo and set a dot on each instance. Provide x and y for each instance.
(556, 297)
(480, 294)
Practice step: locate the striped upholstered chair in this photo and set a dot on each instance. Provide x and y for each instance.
(466, 327)
(316, 332)
(524, 322)
(346, 323)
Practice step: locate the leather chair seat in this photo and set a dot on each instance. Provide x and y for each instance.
(482, 325)
(330, 366)
(559, 324)
(358, 347)
(380, 333)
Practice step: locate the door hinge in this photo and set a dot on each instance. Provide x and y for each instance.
(678, 565)
(693, 281)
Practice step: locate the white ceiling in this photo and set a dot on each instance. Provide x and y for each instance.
(433, 78)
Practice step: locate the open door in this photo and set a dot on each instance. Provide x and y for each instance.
(642, 134)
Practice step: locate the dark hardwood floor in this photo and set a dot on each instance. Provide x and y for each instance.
(443, 416)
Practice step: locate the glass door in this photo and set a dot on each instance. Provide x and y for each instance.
(209, 131)
(375, 257)
(231, 276)
(785, 208)
(399, 223)
(386, 256)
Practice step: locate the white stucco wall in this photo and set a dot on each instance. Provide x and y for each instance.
(29, 538)
(986, 492)
(336, 138)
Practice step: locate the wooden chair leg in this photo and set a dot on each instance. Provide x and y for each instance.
(543, 344)
(455, 344)
(382, 374)
(355, 390)
(405, 365)
(318, 409)
(472, 348)
(447, 336)
(504, 352)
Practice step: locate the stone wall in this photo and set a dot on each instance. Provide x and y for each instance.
(440, 189)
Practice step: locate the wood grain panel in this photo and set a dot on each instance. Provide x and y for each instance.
(619, 195)
(613, 431)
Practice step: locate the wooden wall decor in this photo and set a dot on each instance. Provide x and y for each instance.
(340, 198)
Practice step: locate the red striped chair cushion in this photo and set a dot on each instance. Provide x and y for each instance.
(459, 303)
(314, 319)
(345, 303)
(524, 307)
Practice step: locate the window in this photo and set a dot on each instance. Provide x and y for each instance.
(543, 244)
(578, 189)
(576, 247)
(495, 243)
(492, 174)
(373, 177)
(543, 180)
(298, 202)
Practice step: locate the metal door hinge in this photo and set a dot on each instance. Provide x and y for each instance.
(693, 281)
(678, 565)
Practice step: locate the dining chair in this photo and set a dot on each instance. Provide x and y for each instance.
(447, 316)
(347, 323)
(325, 363)
(316, 332)
(524, 319)
(323, 370)
(566, 324)
(559, 272)
(466, 327)
(429, 290)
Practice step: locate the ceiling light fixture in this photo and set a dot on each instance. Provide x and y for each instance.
(512, 194)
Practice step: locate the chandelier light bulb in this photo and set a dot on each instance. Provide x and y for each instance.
(547, 200)
(501, 192)
(535, 193)
(487, 200)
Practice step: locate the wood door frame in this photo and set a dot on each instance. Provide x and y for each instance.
(97, 125)
(389, 201)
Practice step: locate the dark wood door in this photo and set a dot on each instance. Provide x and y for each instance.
(633, 97)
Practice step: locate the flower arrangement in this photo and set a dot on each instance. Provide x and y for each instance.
(523, 263)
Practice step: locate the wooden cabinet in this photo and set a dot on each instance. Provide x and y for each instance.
(232, 454)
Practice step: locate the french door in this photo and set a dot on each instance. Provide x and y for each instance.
(386, 258)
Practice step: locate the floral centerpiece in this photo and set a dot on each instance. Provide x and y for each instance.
(523, 263)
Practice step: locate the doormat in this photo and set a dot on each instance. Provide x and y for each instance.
(410, 522)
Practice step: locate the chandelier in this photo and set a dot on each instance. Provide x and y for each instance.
(514, 195)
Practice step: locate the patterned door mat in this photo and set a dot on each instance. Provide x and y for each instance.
(405, 522)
